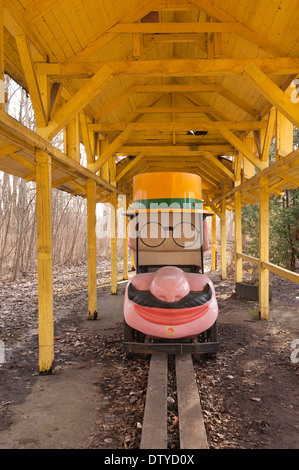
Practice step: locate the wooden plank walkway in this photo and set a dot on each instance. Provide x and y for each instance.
(191, 422)
(154, 428)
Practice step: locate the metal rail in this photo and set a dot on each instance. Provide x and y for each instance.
(191, 422)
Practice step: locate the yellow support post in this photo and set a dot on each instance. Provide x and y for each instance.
(91, 250)
(72, 139)
(238, 238)
(44, 261)
(113, 243)
(223, 239)
(264, 249)
(125, 242)
(214, 260)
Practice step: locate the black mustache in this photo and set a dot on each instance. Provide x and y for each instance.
(145, 298)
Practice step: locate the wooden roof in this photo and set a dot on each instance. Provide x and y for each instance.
(146, 73)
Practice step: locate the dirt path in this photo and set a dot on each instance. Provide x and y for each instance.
(96, 396)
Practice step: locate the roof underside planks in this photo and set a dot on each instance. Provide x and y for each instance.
(187, 66)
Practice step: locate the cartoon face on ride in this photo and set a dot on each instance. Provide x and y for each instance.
(169, 297)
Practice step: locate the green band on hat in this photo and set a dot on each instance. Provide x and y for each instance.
(172, 203)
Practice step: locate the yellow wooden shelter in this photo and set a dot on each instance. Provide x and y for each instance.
(201, 86)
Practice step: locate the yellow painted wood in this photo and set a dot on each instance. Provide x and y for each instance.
(268, 135)
(273, 93)
(223, 239)
(242, 147)
(251, 259)
(174, 88)
(114, 205)
(113, 147)
(132, 164)
(91, 250)
(164, 28)
(35, 10)
(72, 139)
(238, 238)
(89, 149)
(44, 261)
(176, 68)
(31, 79)
(286, 273)
(178, 126)
(220, 165)
(17, 26)
(248, 166)
(104, 169)
(214, 242)
(284, 135)
(44, 86)
(107, 36)
(125, 240)
(217, 13)
(75, 105)
(23, 136)
(264, 249)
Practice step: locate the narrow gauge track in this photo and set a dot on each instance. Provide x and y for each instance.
(191, 423)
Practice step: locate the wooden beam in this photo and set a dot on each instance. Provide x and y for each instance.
(264, 249)
(177, 28)
(91, 250)
(77, 103)
(284, 135)
(22, 137)
(72, 139)
(125, 206)
(114, 147)
(179, 126)
(285, 273)
(273, 93)
(173, 88)
(129, 166)
(44, 261)
(175, 149)
(213, 245)
(109, 34)
(31, 79)
(239, 145)
(220, 165)
(86, 139)
(113, 251)
(35, 10)
(276, 168)
(260, 41)
(238, 237)
(223, 239)
(177, 67)
(16, 24)
(268, 135)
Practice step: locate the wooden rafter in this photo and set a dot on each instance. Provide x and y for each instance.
(260, 41)
(111, 149)
(76, 104)
(239, 145)
(273, 93)
(31, 79)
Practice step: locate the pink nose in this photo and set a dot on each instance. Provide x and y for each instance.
(169, 284)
